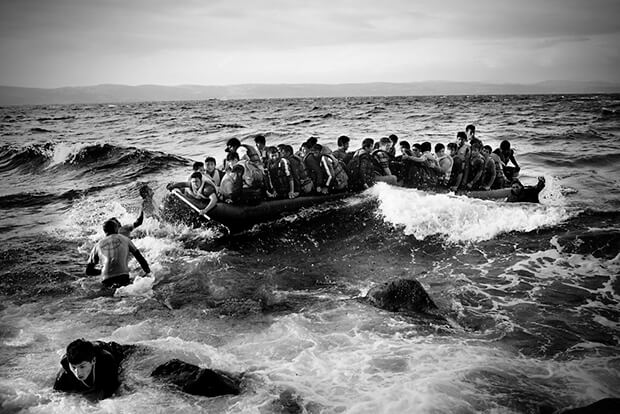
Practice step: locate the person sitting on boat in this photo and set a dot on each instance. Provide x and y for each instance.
(198, 167)
(507, 155)
(89, 368)
(212, 172)
(298, 169)
(462, 145)
(458, 167)
(281, 181)
(445, 164)
(113, 252)
(421, 171)
(251, 161)
(312, 161)
(500, 178)
(381, 159)
(199, 189)
(397, 164)
(361, 168)
(475, 167)
(342, 154)
(261, 147)
(489, 173)
(521, 194)
(394, 140)
(336, 178)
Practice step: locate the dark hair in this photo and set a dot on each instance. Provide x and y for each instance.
(317, 147)
(343, 139)
(286, 148)
(471, 127)
(312, 141)
(426, 146)
(272, 150)
(238, 169)
(405, 145)
(259, 139)
(461, 135)
(111, 226)
(452, 146)
(488, 148)
(417, 146)
(439, 147)
(196, 175)
(79, 351)
(233, 142)
(476, 145)
(210, 159)
(232, 156)
(385, 140)
(280, 147)
(475, 140)
(504, 145)
(368, 142)
(197, 165)
(393, 138)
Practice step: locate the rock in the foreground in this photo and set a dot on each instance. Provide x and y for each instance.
(197, 381)
(402, 295)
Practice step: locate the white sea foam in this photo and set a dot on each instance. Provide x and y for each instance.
(64, 152)
(459, 218)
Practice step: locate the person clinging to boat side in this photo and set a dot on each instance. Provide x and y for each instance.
(525, 194)
(113, 252)
(381, 158)
(198, 188)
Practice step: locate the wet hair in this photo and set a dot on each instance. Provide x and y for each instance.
(317, 147)
(343, 139)
(368, 143)
(272, 150)
(259, 139)
(111, 226)
(426, 146)
(79, 351)
(238, 169)
(210, 159)
(516, 181)
(461, 135)
(312, 141)
(233, 142)
(417, 146)
(385, 141)
(439, 147)
(452, 146)
(405, 145)
(232, 156)
(286, 148)
(488, 148)
(471, 127)
(197, 165)
(196, 175)
(504, 145)
(393, 138)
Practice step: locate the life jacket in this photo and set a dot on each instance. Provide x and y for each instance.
(216, 178)
(279, 178)
(376, 163)
(341, 179)
(252, 154)
(300, 174)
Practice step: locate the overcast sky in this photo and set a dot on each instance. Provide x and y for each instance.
(52, 43)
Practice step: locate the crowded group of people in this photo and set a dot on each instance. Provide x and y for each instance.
(252, 173)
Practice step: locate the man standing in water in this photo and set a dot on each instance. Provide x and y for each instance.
(113, 251)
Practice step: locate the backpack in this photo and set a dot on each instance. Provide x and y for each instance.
(340, 175)
(361, 171)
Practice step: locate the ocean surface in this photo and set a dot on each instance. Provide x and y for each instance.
(530, 292)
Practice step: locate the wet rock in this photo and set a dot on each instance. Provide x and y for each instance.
(197, 381)
(604, 406)
(402, 295)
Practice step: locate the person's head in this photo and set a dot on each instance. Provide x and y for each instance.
(304, 149)
(394, 139)
(516, 186)
(416, 149)
(195, 180)
(111, 226)
(316, 149)
(273, 153)
(260, 142)
(404, 146)
(504, 146)
(286, 150)
(440, 149)
(470, 130)
(426, 147)
(232, 158)
(475, 140)
(198, 166)
(452, 148)
(476, 147)
(238, 171)
(312, 141)
(461, 137)
(367, 144)
(280, 148)
(385, 143)
(81, 358)
(232, 145)
(343, 142)
(210, 164)
(486, 151)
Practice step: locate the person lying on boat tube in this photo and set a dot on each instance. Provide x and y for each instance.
(198, 188)
(525, 194)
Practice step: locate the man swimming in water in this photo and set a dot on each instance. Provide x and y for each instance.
(113, 252)
(521, 194)
(89, 369)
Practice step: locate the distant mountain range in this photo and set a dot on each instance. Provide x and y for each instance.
(10, 95)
